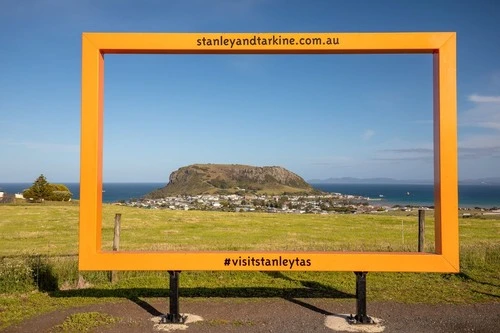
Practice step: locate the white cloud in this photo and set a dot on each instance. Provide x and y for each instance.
(485, 114)
(368, 134)
(484, 99)
(479, 141)
(480, 146)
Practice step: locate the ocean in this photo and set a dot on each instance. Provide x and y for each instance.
(113, 192)
(485, 196)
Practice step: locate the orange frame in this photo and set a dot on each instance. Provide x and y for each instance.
(441, 44)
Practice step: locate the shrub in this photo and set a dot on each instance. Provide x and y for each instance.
(43, 274)
(16, 275)
(42, 190)
(60, 196)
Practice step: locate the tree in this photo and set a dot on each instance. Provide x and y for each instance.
(39, 191)
(43, 190)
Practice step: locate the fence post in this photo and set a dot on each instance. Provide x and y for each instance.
(116, 237)
(421, 230)
(116, 243)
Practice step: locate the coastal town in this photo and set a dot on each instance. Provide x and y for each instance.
(331, 203)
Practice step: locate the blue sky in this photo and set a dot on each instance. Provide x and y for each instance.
(317, 115)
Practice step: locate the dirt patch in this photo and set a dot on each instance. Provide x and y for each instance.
(277, 315)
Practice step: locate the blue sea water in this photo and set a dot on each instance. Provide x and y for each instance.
(113, 192)
(486, 196)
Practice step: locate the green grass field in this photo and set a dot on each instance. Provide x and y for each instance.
(52, 230)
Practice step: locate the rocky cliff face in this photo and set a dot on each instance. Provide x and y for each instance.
(232, 178)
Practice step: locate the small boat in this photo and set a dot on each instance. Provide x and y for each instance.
(381, 195)
(407, 193)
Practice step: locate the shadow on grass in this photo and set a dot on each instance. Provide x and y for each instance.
(486, 294)
(43, 275)
(135, 295)
(466, 277)
(315, 290)
(311, 289)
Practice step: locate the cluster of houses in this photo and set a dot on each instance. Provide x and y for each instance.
(295, 204)
(6, 198)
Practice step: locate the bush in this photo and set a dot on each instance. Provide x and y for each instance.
(58, 187)
(42, 190)
(16, 275)
(59, 192)
(43, 274)
(60, 196)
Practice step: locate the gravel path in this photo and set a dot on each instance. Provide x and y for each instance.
(277, 315)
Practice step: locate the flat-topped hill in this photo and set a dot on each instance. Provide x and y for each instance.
(232, 178)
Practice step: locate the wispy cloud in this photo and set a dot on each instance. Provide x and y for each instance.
(405, 154)
(404, 158)
(368, 134)
(475, 153)
(470, 147)
(484, 99)
(474, 141)
(480, 146)
(409, 150)
(485, 113)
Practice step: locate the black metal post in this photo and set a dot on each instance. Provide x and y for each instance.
(361, 317)
(173, 316)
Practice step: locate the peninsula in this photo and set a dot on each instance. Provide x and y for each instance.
(232, 179)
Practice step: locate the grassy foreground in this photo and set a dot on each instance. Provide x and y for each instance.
(31, 285)
(53, 230)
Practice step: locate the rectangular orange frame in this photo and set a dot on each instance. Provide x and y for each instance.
(441, 44)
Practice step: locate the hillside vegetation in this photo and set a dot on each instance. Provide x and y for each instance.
(232, 178)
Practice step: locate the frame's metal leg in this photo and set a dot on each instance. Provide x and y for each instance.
(174, 316)
(361, 317)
